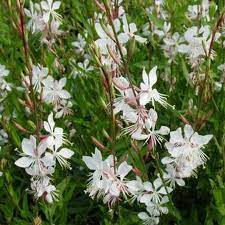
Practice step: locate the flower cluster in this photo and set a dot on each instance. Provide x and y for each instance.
(197, 44)
(45, 20)
(106, 180)
(137, 108)
(186, 154)
(113, 37)
(51, 91)
(133, 103)
(40, 156)
(153, 195)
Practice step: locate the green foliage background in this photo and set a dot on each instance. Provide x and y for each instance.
(200, 202)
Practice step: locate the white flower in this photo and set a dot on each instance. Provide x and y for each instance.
(171, 46)
(147, 219)
(148, 93)
(156, 209)
(55, 141)
(159, 2)
(79, 44)
(106, 181)
(198, 43)
(83, 67)
(154, 192)
(164, 32)
(121, 102)
(63, 109)
(53, 90)
(62, 155)
(56, 133)
(148, 130)
(34, 159)
(129, 30)
(49, 8)
(172, 176)
(43, 187)
(39, 73)
(55, 31)
(36, 22)
(186, 151)
(136, 188)
(105, 39)
(94, 163)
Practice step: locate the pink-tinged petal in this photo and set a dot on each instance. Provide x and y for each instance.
(46, 17)
(49, 198)
(28, 146)
(176, 136)
(163, 130)
(183, 48)
(188, 131)
(133, 27)
(123, 38)
(145, 77)
(144, 98)
(64, 94)
(90, 163)
(201, 140)
(157, 183)
(56, 5)
(42, 146)
(123, 169)
(125, 24)
(137, 135)
(24, 162)
(121, 82)
(140, 39)
(48, 160)
(47, 127)
(143, 216)
(66, 153)
(152, 76)
(62, 82)
(180, 182)
(116, 24)
(148, 186)
(50, 142)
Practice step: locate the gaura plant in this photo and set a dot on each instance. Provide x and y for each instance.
(130, 107)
